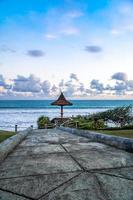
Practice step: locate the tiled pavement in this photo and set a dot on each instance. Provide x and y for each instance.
(56, 165)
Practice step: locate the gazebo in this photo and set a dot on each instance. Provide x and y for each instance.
(61, 101)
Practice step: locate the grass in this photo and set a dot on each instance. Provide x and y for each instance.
(121, 133)
(5, 134)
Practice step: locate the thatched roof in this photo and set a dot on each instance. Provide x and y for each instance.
(61, 101)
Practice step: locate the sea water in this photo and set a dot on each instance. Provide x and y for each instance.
(25, 113)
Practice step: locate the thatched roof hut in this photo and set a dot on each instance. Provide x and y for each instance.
(61, 101)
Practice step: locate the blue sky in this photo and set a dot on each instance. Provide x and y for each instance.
(77, 46)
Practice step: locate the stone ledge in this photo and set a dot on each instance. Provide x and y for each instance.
(9, 144)
(119, 142)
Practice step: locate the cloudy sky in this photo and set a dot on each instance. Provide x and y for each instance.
(82, 47)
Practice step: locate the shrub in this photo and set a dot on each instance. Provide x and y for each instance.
(42, 121)
(121, 116)
(92, 125)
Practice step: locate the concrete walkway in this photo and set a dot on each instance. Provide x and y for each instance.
(56, 165)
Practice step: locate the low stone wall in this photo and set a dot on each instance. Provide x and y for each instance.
(119, 142)
(9, 144)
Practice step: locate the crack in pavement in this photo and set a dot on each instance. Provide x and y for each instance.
(117, 176)
(14, 193)
(59, 186)
(37, 175)
(109, 168)
(74, 159)
(106, 197)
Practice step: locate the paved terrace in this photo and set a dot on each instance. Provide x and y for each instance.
(56, 165)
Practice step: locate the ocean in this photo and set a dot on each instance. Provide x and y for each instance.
(24, 113)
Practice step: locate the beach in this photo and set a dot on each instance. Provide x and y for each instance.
(25, 113)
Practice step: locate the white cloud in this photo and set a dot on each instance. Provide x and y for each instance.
(35, 53)
(54, 89)
(4, 84)
(69, 31)
(120, 76)
(32, 86)
(93, 48)
(59, 24)
(121, 16)
(74, 77)
(116, 32)
(46, 87)
(2, 80)
(97, 86)
(50, 36)
(5, 49)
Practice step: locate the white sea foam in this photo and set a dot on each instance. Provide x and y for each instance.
(27, 117)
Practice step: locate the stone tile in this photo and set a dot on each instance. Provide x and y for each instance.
(85, 146)
(13, 171)
(126, 173)
(82, 187)
(34, 142)
(43, 164)
(52, 136)
(41, 140)
(116, 188)
(35, 186)
(103, 159)
(9, 196)
(46, 148)
(40, 164)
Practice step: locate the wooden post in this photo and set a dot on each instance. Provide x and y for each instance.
(55, 123)
(77, 124)
(61, 112)
(16, 128)
(46, 126)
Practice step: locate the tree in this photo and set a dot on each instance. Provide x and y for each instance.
(120, 116)
(42, 121)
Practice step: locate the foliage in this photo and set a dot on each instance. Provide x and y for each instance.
(121, 116)
(42, 121)
(92, 125)
(88, 124)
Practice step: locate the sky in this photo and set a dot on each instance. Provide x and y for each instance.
(82, 47)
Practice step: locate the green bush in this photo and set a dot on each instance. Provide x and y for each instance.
(42, 121)
(120, 116)
(92, 125)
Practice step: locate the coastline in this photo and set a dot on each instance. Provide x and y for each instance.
(24, 113)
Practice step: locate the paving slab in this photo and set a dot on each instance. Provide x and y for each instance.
(86, 146)
(79, 188)
(44, 164)
(57, 165)
(115, 187)
(126, 172)
(37, 150)
(53, 136)
(51, 140)
(35, 186)
(102, 159)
